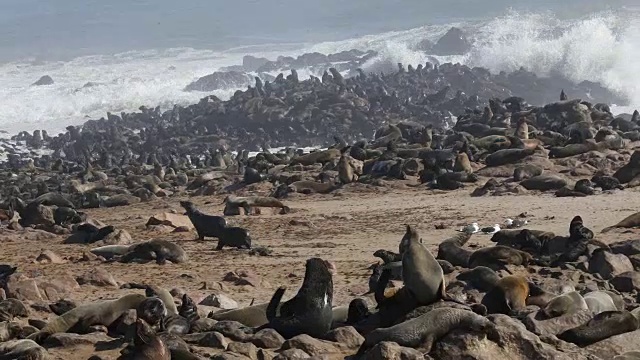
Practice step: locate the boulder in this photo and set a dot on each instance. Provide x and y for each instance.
(219, 300)
(537, 324)
(609, 265)
(310, 345)
(454, 42)
(220, 80)
(49, 257)
(626, 282)
(97, 277)
(44, 80)
(268, 339)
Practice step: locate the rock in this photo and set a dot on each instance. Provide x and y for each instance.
(44, 80)
(252, 63)
(210, 339)
(291, 354)
(389, 350)
(615, 345)
(347, 336)
(537, 324)
(67, 340)
(609, 265)
(219, 300)
(220, 80)
(247, 349)
(49, 257)
(22, 288)
(268, 339)
(517, 343)
(97, 277)
(118, 237)
(310, 345)
(626, 282)
(454, 42)
(228, 355)
(170, 219)
(627, 247)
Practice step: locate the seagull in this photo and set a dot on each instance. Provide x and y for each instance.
(471, 229)
(490, 229)
(513, 224)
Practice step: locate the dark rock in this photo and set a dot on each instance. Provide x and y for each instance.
(44, 80)
(609, 265)
(626, 282)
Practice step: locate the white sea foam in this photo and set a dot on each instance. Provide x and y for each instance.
(604, 47)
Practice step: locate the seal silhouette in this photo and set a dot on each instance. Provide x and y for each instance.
(309, 312)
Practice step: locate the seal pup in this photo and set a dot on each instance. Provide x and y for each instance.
(234, 203)
(234, 237)
(156, 249)
(602, 326)
(567, 303)
(205, 225)
(310, 310)
(83, 316)
(510, 294)
(422, 332)
(11, 308)
(630, 221)
(146, 345)
(421, 272)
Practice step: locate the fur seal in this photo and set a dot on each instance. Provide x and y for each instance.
(496, 257)
(22, 350)
(510, 294)
(156, 249)
(526, 171)
(422, 332)
(602, 326)
(507, 156)
(462, 163)
(254, 316)
(522, 129)
(310, 187)
(146, 344)
(630, 221)
(151, 310)
(451, 250)
(311, 158)
(234, 203)
(11, 308)
(205, 225)
(310, 310)
(81, 317)
(234, 237)
(480, 277)
(567, 303)
(346, 172)
(421, 272)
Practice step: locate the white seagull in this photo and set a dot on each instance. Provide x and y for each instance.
(471, 229)
(490, 229)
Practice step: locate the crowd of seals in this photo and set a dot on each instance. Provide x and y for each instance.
(444, 127)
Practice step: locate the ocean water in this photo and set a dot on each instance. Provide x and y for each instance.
(144, 52)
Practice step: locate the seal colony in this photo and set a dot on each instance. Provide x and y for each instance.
(515, 290)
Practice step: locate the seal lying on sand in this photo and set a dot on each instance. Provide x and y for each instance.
(156, 249)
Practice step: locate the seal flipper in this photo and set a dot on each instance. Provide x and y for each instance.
(392, 265)
(381, 286)
(272, 308)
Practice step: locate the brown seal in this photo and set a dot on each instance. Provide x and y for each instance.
(421, 272)
(567, 303)
(462, 163)
(496, 257)
(23, 349)
(510, 294)
(422, 332)
(630, 221)
(81, 317)
(146, 345)
(322, 156)
(522, 129)
(451, 250)
(234, 203)
(602, 326)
